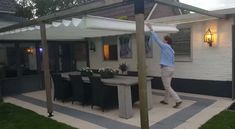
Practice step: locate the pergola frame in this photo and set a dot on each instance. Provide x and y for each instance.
(81, 10)
(190, 8)
(100, 5)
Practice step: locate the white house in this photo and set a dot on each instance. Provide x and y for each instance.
(202, 69)
(199, 68)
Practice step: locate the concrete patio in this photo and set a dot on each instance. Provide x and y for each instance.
(195, 111)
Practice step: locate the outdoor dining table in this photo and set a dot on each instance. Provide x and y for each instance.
(123, 84)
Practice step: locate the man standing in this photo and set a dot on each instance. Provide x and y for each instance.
(167, 63)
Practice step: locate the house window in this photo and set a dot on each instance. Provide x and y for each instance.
(182, 44)
(110, 49)
(106, 51)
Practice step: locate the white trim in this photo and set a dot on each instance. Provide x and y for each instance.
(7, 12)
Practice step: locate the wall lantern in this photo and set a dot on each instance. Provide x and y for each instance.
(209, 37)
(40, 50)
(29, 50)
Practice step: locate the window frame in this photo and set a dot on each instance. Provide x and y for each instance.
(185, 58)
(103, 42)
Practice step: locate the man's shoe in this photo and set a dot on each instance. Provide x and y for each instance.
(163, 102)
(177, 104)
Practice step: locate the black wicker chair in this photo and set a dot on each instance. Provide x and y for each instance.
(103, 96)
(80, 91)
(62, 88)
(134, 93)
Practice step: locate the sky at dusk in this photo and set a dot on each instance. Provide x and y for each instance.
(211, 4)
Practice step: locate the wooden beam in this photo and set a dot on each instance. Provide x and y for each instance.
(189, 8)
(46, 70)
(18, 63)
(233, 60)
(140, 35)
(38, 57)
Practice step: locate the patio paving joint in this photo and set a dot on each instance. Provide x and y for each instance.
(170, 122)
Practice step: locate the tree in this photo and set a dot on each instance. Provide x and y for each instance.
(38, 8)
(44, 7)
(24, 9)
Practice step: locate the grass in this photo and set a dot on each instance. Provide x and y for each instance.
(14, 117)
(224, 120)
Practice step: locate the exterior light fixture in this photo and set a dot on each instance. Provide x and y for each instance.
(29, 50)
(209, 37)
(40, 50)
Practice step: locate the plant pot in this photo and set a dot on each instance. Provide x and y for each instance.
(124, 71)
(106, 75)
(86, 74)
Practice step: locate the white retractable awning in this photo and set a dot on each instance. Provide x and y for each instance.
(78, 29)
(181, 19)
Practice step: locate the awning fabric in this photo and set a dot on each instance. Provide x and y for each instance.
(78, 29)
(182, 19)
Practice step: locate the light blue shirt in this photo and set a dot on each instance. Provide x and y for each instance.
(167, 53)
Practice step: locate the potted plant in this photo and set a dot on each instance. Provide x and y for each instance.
(123, 67)
(86, 72)
(107, 72)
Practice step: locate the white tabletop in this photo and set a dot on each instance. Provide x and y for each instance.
(117, 80)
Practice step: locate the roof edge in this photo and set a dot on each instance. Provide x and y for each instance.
(8, 12)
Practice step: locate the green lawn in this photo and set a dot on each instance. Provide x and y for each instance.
(224, 120)
(14, 117)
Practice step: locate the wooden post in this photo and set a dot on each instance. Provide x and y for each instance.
(139, 15)
(46, 71)
(38, 57)
(18, 63)
(233, 61)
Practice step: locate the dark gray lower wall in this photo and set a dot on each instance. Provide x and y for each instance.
(30, 83)
(12, 86)
(204, 87)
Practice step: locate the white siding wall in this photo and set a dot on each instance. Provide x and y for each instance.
(208, 63)
(96, 58)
